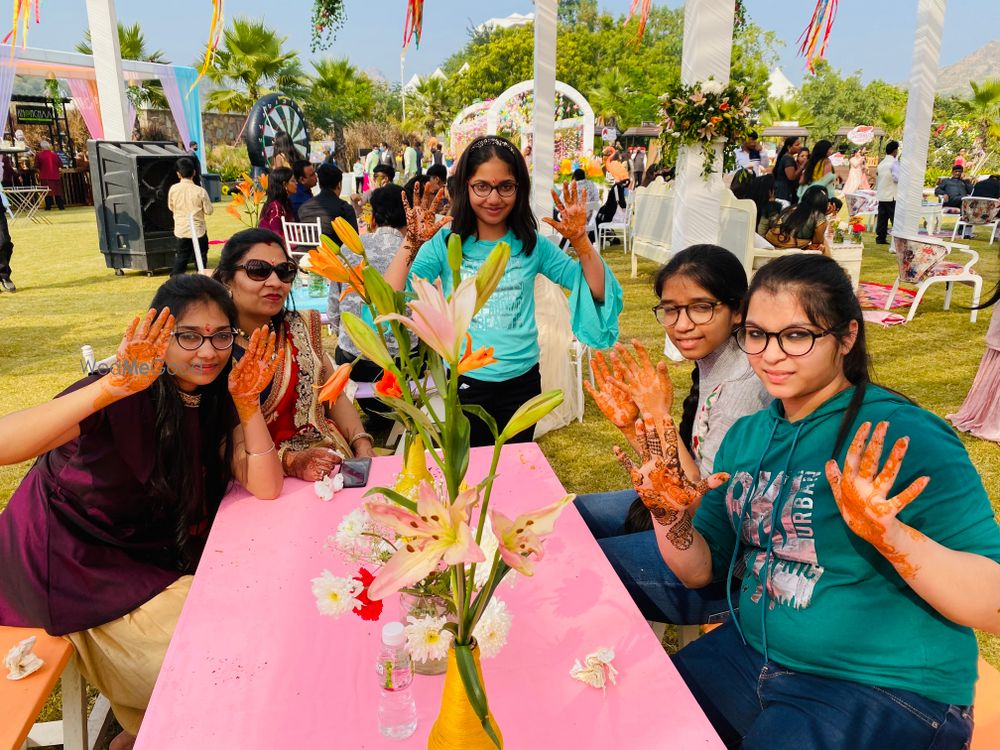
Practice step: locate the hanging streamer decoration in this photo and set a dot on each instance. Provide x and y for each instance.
(214, 37)
(414, 22)
(327, 18)
(814, 39)
(22, 16)
(643, 6)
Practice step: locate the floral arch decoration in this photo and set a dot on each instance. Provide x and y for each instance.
(468, 124)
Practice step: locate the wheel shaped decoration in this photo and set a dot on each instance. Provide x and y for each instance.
(273, 114)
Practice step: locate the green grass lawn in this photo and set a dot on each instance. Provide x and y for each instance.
(67, 298)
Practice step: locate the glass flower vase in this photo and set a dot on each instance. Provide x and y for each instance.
(457, 726)
(415, 605)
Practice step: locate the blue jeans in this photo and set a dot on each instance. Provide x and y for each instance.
(637, 561)
(755, 704)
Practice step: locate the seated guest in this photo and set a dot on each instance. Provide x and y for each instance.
(750, 156)
(310, 436)
(438, 180)
(953, 189)
(305, 179)
(382, 175)
(988, 188)
(100, 540)
(281, 185)
(328, 205)
(802, 226)
(762, 193)
(381, 246)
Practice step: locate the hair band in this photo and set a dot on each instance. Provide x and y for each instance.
(492, 141)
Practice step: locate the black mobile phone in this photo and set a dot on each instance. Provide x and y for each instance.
(355, 471)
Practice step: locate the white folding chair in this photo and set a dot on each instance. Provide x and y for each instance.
(299, 235)
(579, 354)
(616, 228)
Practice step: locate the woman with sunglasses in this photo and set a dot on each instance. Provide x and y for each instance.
(491, 204)
(700, 292)
(311, 440)
(101, 538)
(865, 543)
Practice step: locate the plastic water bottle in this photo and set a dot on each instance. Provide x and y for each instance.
(89, 361)
(397, 712)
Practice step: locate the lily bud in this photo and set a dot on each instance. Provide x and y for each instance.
(490, 273)
(380, 293)
(367, 340)
(455, 257)
(348, 236)
(530, 412)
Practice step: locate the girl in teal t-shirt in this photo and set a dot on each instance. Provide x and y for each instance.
(863, 538)
(491, 203)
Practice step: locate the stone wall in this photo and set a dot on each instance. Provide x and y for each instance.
(219, 129)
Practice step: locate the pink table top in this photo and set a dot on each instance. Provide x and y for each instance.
(254, 665)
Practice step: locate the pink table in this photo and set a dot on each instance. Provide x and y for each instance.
(254, 665)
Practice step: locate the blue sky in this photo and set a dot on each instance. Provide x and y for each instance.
(874, 36)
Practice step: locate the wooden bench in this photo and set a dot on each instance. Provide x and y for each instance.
(23, 700)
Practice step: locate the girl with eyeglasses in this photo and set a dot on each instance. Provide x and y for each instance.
(311, 439)
(491, 204)
(700, 293)
(866, 544)
(100, 540)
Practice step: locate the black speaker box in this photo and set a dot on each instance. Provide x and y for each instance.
(130, 181)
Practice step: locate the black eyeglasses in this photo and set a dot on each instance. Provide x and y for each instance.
(261, 270)
(192, 340)
(698, 313)
(794, 341)
(483, 189)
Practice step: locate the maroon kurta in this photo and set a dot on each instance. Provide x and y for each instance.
(80, 543)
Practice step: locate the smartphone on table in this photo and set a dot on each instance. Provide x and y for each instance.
(355, 471)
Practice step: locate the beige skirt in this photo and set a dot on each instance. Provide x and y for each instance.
(122, 658)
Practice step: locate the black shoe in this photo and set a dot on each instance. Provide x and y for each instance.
(881, 242)
(8, 285)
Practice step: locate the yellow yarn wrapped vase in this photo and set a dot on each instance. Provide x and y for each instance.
(457, 726)
(414, 470)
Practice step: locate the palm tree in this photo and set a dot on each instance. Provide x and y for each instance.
(133, 47)
(340, 94)
(249, 63)
(983, 111)
(433, 104)
(609, 97)
(786, 110)
(892, 121)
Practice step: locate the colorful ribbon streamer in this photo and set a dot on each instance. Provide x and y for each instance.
(414, 22)
(643, 16)
(22, 16)
(214, 37)
(814, 39)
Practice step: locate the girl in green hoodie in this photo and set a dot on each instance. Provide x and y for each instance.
(863, 574)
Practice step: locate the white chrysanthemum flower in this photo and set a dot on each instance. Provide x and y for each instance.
(711, 86)
(335, 596)
(492, 629)
(328, 486)
(426, 638)
(351, 529)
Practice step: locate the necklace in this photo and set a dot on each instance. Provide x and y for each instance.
(191, 400)
(244, 335)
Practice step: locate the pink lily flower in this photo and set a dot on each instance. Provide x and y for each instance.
(437, 532)
(521, 537)
(440, 323)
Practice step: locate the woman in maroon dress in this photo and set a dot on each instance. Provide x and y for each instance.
(99, 541)
(281, 185)
(50, 174)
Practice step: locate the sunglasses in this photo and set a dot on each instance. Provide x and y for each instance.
(261, 270)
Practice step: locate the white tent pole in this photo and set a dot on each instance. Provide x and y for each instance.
(544, 111)
(919, 112)
(708, 39)
(108, 68)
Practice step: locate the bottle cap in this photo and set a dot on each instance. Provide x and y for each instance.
(393, 634)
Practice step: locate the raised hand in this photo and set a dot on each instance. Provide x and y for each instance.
(648, 384)
(612, 398)
(141, 354)
(860, 491)
(421, 218)
(572, 224)
(661, 484)
(253, 372)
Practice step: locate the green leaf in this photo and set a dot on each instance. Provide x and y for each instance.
(474, 688)
(394, 496)
(414, 413)
(484, 415)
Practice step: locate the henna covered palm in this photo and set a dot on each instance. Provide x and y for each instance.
(251, 375)
(142, 352)
(612, 398)
(648, 384)
(572, 224)
(421, 218)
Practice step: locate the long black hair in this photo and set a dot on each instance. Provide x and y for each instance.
(762, 194)
(276, 190)
(827, 297)
(789, 142)
(819, 152)
(521, 220)
(814, 199)
(185, 488)
(721, 274)
(284, 145)
(238, 246)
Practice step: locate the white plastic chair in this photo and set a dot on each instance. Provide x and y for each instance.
(921, 261)
(299, 235)
(863, 204)
(615, 228)
(979, 212)
(579, 353)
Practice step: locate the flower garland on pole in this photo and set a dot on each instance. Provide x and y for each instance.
(703, 113)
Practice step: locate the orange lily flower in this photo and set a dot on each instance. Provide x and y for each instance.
(263, 182)
(239, 199)
(473, 360)
(330, 391)
(328, 265)
(231, 210)
(388, 385)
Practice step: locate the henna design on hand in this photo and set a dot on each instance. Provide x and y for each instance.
(251, 375)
